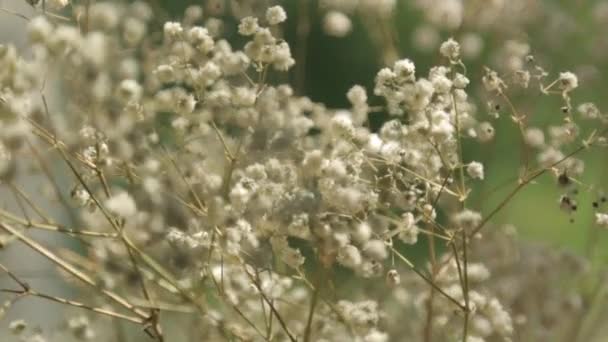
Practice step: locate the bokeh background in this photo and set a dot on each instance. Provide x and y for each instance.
(562, 35)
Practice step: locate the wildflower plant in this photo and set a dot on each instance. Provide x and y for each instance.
(204, 183)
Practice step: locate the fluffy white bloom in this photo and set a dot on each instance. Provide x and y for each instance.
(392, 278)
(276, 15)
(122, 205)
(461, 81)
(172, 29)
(404, 68)
(567, 81)
(475, 170)
(39, 29)
(342, 125)
(601, 220)
(357, 95)
(409, 230)
(589, 110)
(534, 137)
(165, 73)
(485, 132)
(248, 26)
(349, 256)
(375, 249)
(450, 49)
(129, 90)
(337, 24)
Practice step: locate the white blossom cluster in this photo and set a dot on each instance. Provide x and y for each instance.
(205, 183)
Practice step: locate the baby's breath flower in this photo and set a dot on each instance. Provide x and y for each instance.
(337, 24)
(349, 256)
(589, 110)
(276, 15)
(122, 205)
(173, 30)
(375, 249)
(392, 278)
(601, 220)
(475, 170)
(405, 69)
(567, 81)
(450, 49)
(248, 26)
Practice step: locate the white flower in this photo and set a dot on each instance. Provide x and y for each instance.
(337, 24)
(276, 15)
(165, 73)
(349, 256)
(475, 170)
(450, 49)
(375, 249)
(39, 29)
(392, 278)
(567, 81)
(121, 205)
(342, 125)
(357, 95)
(534, 137)
(129, 90)
(248, 26)
(589, 110)
(172, 29)
(404, 68)
(601, 220)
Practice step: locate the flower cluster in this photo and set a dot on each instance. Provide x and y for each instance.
(202, 182)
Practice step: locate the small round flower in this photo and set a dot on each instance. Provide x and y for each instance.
(404, 68)
(485, 132)
(349, 256)
(460, 81)
(534, 137)
(567, 81)
(276, 15)
(601, 219)
(392, 278)
(357, 95)
(39, 29)
(589, 110)
(248, 26)
(450, 49)
(475, 170)
(342, 125)
(129, 90)
(122, 205)
(172, 29)
(375, 249)
(337, 24)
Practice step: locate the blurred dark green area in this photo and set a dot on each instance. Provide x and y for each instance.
(333, 65)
